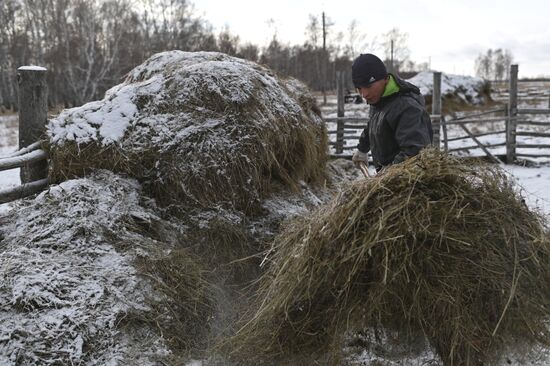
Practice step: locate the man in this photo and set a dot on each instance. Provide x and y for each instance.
(399, 126)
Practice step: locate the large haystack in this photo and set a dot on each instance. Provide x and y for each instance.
(434, 246)
(199, 128)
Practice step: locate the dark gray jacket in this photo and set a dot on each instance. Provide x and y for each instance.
(398, 127)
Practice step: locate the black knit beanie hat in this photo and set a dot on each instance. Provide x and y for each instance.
(366, 69)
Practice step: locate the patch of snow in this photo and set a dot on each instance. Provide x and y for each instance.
(467, 88)
(186, 80)
(32, 68)
(534, 182)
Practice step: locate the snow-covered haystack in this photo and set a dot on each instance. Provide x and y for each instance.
(434, 246)
(199, 128)
(85, 279)
(455, 89)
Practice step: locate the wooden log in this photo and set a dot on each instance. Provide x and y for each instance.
(355, 127)
(533, 146)
(339, 123)
(477, 120)
(473, 147)
(511, 114)
(25, 160)
(436, 108)
(33, 115)
(445, 136)
(477, 135)
(532, 134)
(533, 111)
(503, 110)
(532, 123)
(345, 119)
(346, 133)
(25, 150)
(24, 190)
(533, 155)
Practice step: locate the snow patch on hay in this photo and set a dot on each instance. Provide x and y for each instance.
(197, 75)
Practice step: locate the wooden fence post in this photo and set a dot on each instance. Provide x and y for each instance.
(33, 116)
(436, 108)
(340, 87)
(512, 113)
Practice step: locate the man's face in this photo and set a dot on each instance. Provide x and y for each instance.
(373, 92)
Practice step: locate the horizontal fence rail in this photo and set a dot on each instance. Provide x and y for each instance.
(22, 191)
(20, 161)
(30, 158)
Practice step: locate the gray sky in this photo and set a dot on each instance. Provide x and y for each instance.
(450, 33)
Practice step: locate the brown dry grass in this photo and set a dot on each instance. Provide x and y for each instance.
(434, 245)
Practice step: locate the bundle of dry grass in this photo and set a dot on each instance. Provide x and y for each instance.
(433, 245)
(182, 314)
(196, 127)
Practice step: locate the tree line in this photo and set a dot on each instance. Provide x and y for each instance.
(494, 64)
(89, 45)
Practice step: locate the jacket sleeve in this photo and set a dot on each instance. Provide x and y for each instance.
(412, 132)
(364, 142)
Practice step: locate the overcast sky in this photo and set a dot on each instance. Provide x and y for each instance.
(449, 33)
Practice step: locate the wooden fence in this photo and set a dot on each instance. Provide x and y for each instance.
(33, 161)
(348, 128)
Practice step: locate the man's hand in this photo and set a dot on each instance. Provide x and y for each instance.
(359, 157)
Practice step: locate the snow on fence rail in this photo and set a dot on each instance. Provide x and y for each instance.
(33, 161)
(347, 128)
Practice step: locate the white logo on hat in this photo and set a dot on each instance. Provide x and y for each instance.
(372, 79)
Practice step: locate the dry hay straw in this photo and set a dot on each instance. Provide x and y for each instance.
(434, 245)
(182, 314)
(209, 128)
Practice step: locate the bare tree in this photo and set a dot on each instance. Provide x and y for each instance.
(499, 68)
(250, 52)
(228, 43)
(493, 64)
(396, 50)
(314, 31)
(355, 39)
